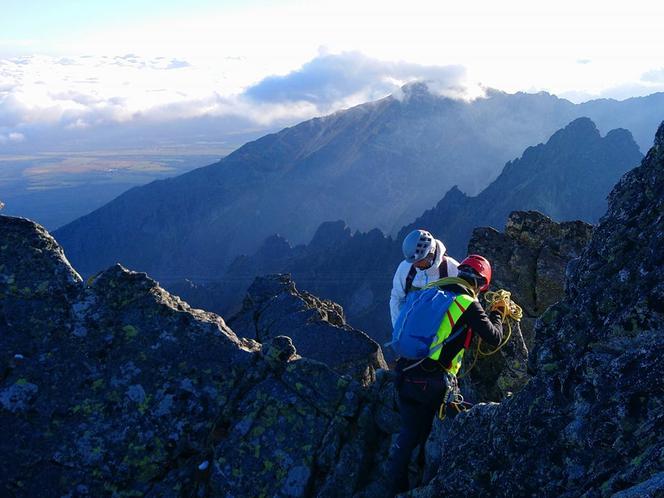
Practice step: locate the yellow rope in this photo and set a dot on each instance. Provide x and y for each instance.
(512, 312)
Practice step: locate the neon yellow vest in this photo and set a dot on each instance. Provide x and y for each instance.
(454, 312)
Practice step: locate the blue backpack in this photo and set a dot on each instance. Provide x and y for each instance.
(420, 320)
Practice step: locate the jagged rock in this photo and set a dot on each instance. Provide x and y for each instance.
(589, 422)
(114, 387)
(329, 235)
(529, 260)
(274, 306)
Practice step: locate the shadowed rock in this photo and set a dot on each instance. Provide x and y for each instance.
(588, 423)
(529, 260)
(115, 387)
(274, 306)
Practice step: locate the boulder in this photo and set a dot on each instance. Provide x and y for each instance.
(529, 260)
(274, 306)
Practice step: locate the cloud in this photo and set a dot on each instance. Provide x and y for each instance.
(12, 137)
(654, 76)
(87, 99)
(83, 92)
(329, 79)
(177, 64)
(78, 97)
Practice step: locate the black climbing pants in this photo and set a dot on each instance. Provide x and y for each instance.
(419, 401)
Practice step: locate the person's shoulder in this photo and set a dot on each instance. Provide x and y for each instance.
(452, 261)
(452, 266)
(404, 267)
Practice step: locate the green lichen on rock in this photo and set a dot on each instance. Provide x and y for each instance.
(529, 260)
(117, 388)
(588, 423)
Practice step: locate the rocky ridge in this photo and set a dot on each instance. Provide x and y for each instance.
(589, 422)
(273, 306)
(115, 387)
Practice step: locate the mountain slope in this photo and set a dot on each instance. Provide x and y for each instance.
(376, 165)
(567, 178)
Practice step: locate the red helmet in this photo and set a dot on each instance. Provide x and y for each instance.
(481, 266)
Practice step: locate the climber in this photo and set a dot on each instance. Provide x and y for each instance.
(423, 385)
(426, 261)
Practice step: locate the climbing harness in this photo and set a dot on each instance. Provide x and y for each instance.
(456, 401)
(453, 398)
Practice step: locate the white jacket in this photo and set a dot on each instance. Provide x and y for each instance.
(422, 278)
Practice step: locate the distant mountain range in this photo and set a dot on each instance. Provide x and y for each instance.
(380, 164)
(568, 178)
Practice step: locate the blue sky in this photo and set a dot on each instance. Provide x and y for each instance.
(44, 22)
(70, 66)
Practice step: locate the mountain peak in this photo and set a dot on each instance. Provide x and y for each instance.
(580, 126)
(580, 131)
(330, 233)
(414, 92)
(454, 194)
(415, 88)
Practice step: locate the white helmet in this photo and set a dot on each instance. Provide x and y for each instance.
(417, 245)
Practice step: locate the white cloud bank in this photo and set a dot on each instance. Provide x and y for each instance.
(85, 93)
(69, 98)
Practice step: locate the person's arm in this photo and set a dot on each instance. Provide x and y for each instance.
(398, 294)
(488, 327)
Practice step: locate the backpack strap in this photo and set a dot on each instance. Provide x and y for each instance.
(442, 273)
(453, 281)
(442, 269)
(409, 279)
(469, 337)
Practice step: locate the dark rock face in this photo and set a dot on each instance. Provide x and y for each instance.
(354, 165)
(115, 387)
(529, 259)
(568, 178)
(318, 329)
(589, 423)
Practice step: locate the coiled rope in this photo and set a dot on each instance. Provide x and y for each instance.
(511, 312)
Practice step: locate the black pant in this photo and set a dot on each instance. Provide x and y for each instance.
(419, 400)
